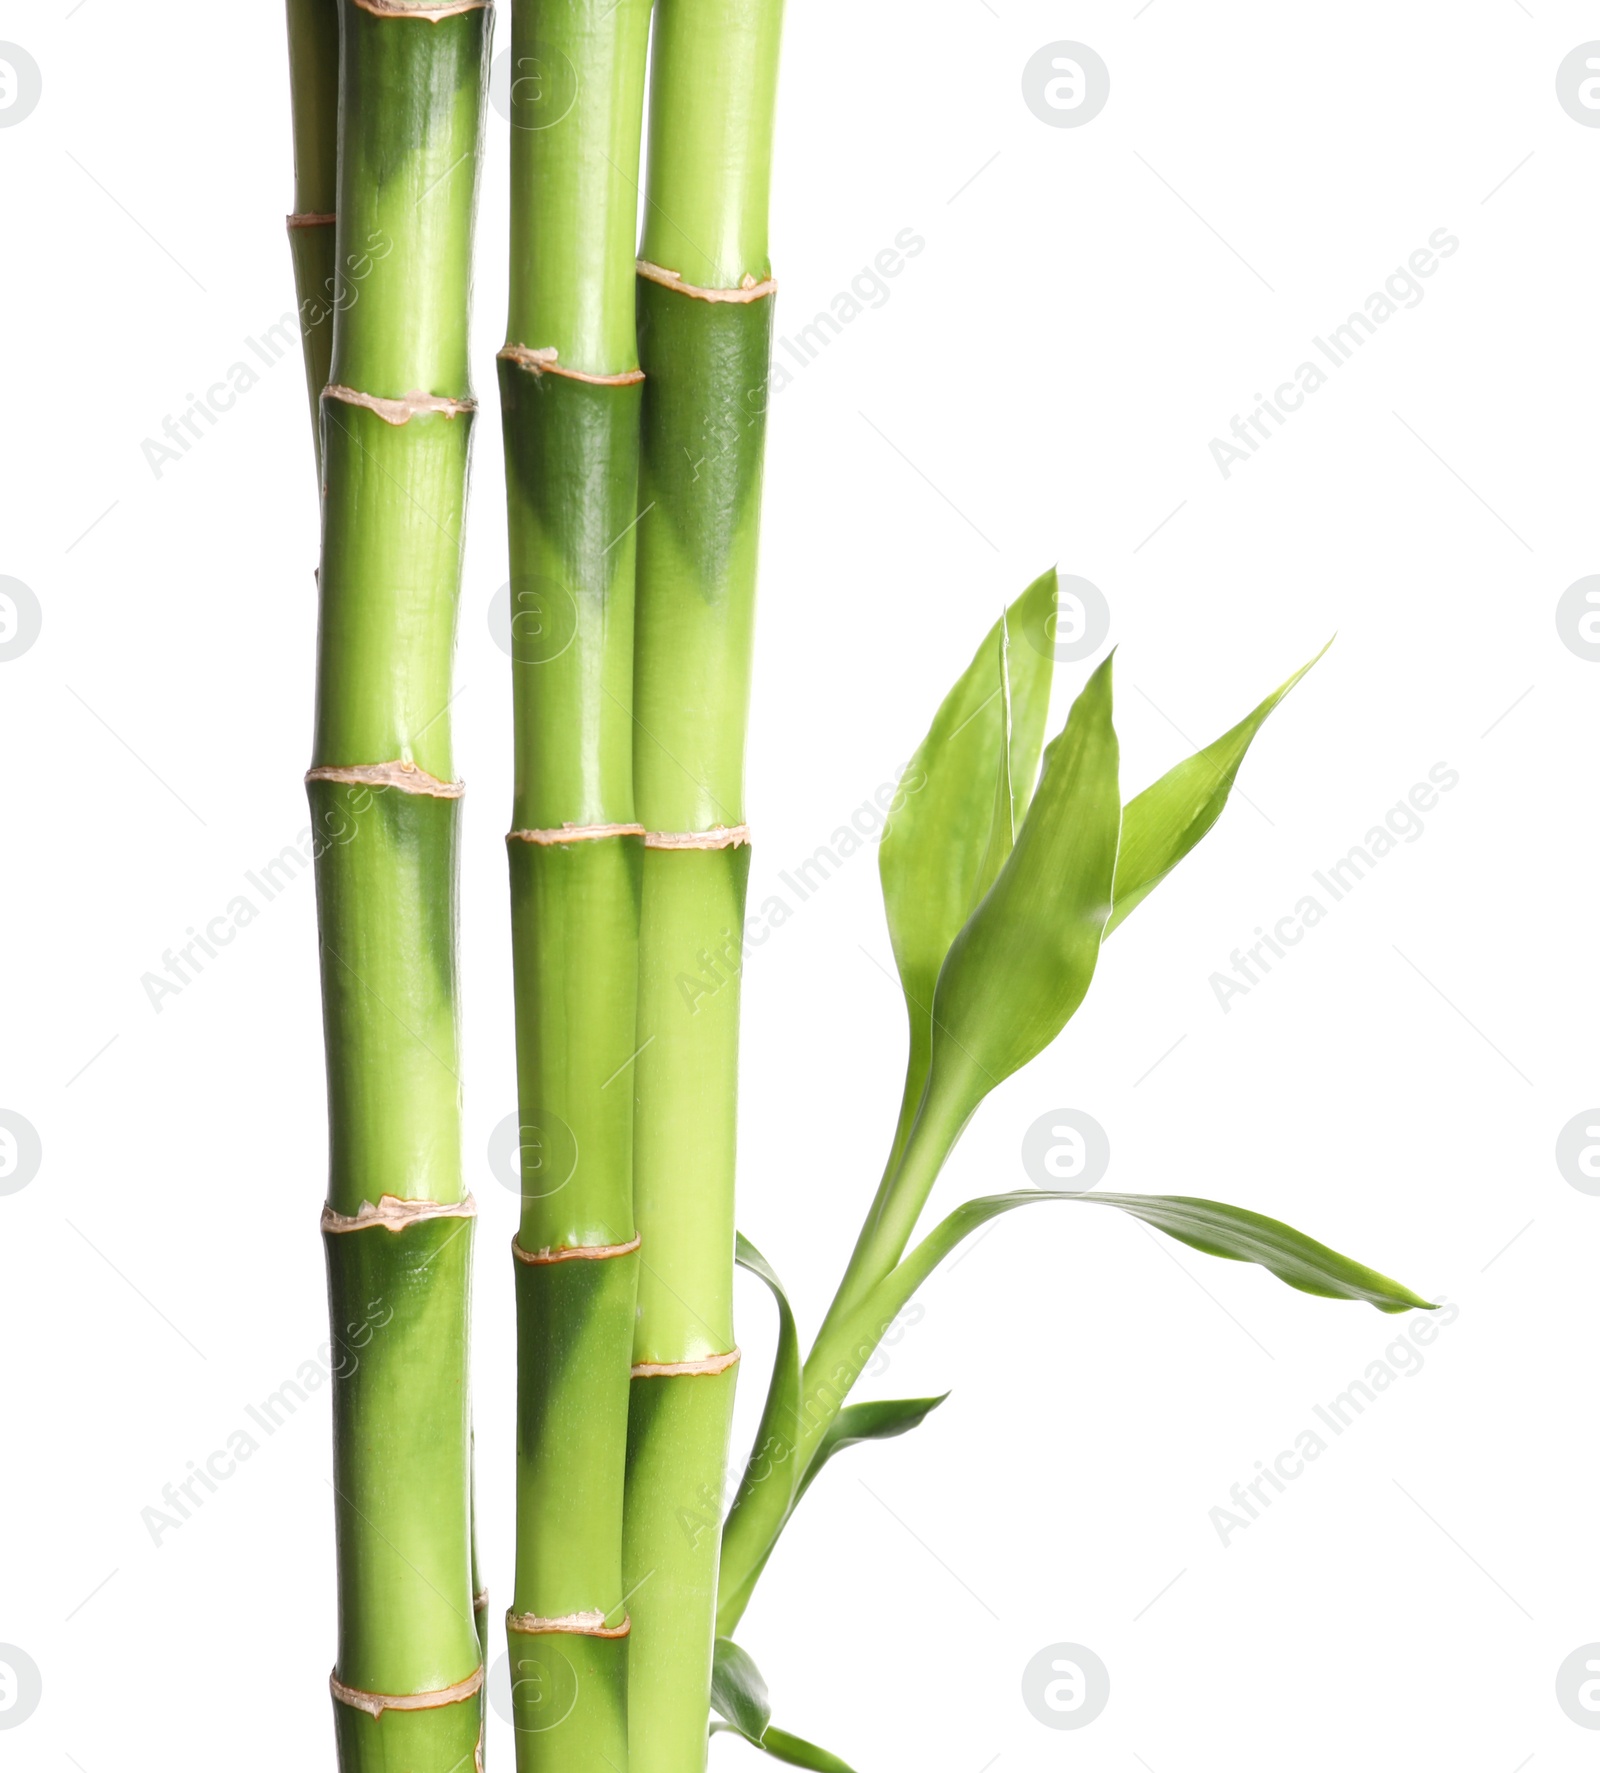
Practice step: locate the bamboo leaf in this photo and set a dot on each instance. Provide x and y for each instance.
(1161, 825)
(1022, 962)
(881, 1420)
(738, 1692)
(772, 1458)
(964, 793)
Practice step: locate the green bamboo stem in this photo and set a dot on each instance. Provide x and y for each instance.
(705, 332)
(396, 417)
(314, 100)
(570, 394)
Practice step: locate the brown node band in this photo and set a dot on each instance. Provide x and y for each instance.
(748, 291)
(309, 219)
(572, 1252)
(574, 834)
(719, 837)
(394, 1214)
(430, 10)
(480, 1600)
(585, 1625)
(712, 1364)
(376, 1704)
(400, 410)
(541, 361)
(399, 774)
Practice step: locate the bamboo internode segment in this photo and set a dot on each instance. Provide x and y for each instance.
(310, 221)
(407, 777)
(574, 834)
(402, 410)
(706, 1369)
(376, 1704)
(748, 291)
(573, 1252)
(429, 10)
(394, 1214)
(541, 360)
(719, 837)
(591, 1624)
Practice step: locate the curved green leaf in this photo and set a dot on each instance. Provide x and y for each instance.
(961, 799)
(738, 1692)
(1161, 825)
(1023, 961)
(881, 1420)
(800, 1753)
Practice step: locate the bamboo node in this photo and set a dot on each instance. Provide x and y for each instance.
(719, 837)
(399, 774)
(480, 1601)
(541, 361)
(309, 219)
(591, 1624)
(429, 10)
(572, 1252)
(396, 1215)
(376, 1704)
(711, 1365)
(749, 289)
(574, 834)
(401, 410)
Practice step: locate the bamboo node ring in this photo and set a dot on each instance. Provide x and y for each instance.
(403, 408)
(572, 1252)
(396, 1215)
(711, 1365)
(749, 289)
(541, 361)
(376, 1704)
(397, 774)
(719, 837)
(574, 833)
(591, 1624)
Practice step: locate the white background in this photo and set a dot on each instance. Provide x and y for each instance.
(1093, 305)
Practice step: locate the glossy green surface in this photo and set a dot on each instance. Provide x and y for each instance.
(687, 1081)
(572, 476)
(399, 1304)
(409, 146)
(569, 1701)
(577, 97)
(314, 102)
(391, 573)
(713, 95)
(386, 910)
(677, 1441)
(441, 1740)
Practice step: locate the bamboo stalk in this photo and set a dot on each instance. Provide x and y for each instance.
(314, 100)
(570, 389)
(396, 419)
(705, 331)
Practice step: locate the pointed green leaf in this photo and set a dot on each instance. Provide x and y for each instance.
(881, 1420)
(961, 799)
(738, 1691)
(1161, 825)
(1023, 961)
(800, 1753)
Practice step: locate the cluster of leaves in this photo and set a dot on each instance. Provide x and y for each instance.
(1001, 880)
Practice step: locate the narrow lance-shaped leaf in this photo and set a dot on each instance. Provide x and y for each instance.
(739, 1693)
(1161, 825)
(960, 802)
(882, 1419)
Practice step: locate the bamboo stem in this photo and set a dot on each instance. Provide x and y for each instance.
(314, 100)
(386, 808)
(705, 329)
(569, 385)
